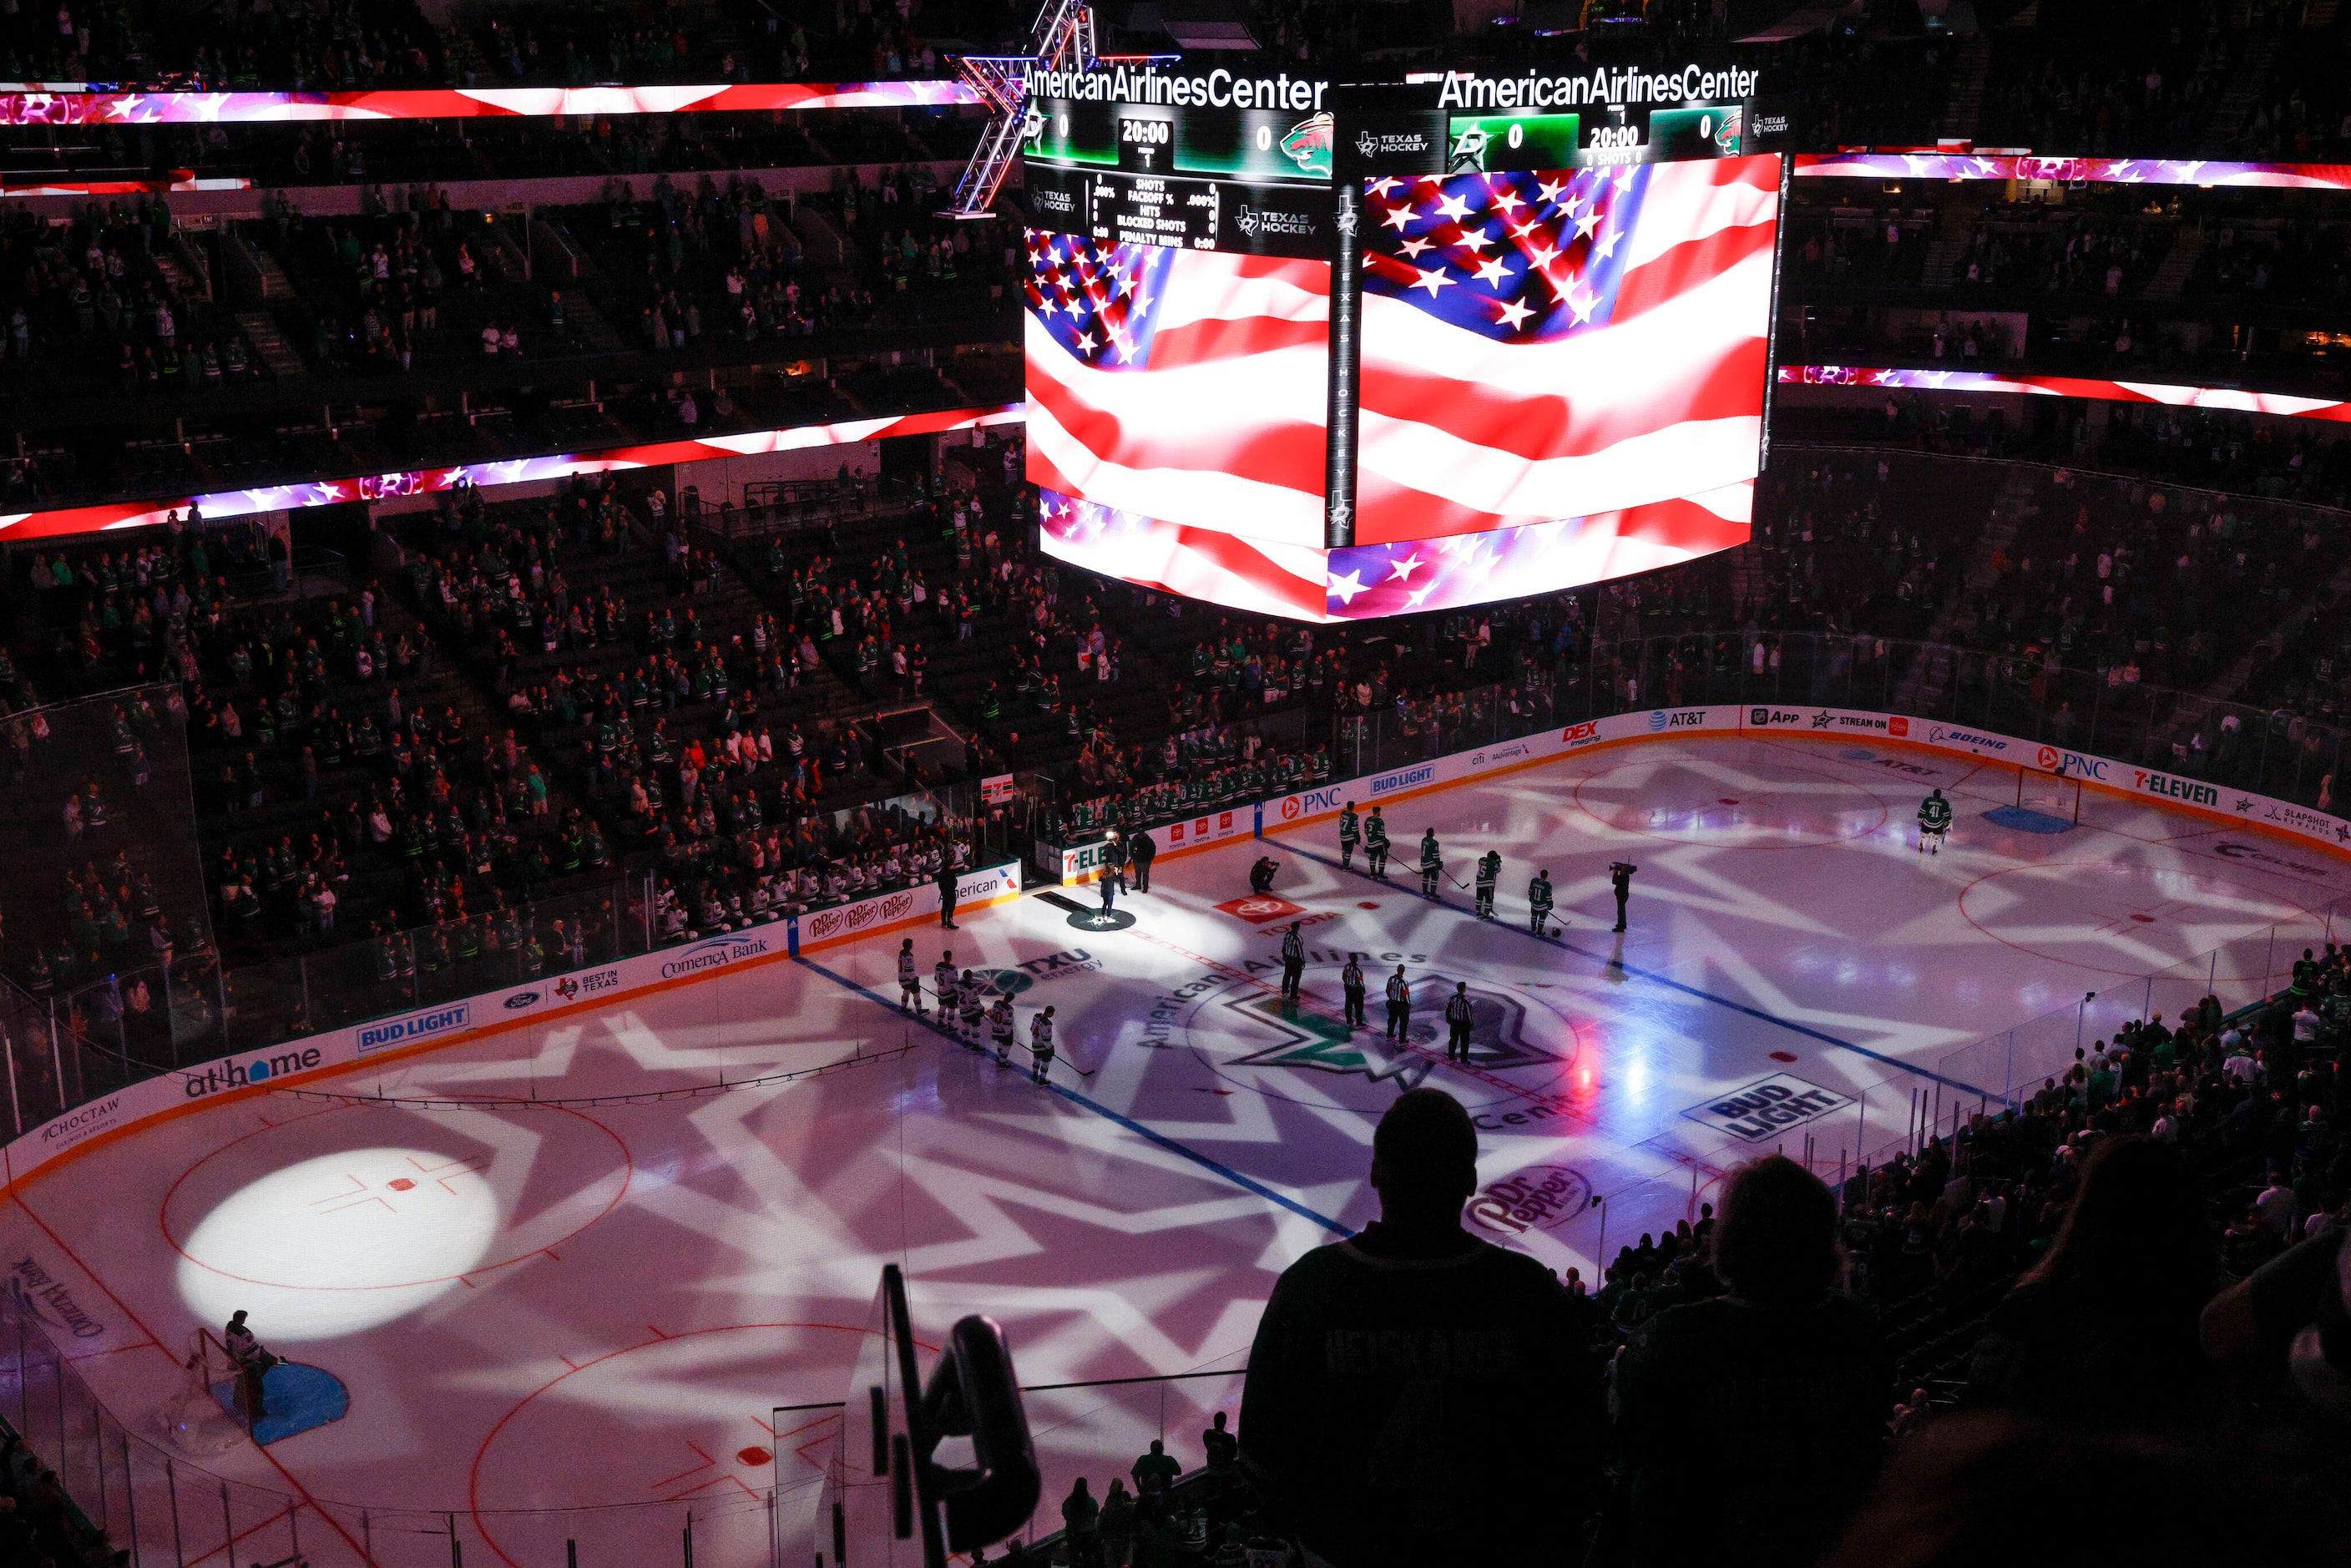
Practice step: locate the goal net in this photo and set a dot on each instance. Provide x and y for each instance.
(193, 1420)
(2052, 792)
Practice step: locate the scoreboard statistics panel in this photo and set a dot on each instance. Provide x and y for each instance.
(1196, 177)
(1179, 298)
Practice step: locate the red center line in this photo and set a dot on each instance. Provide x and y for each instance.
(275, 1519)
(1491, 1080)
(669, 1480)
(703, 1488)
(117, 1350)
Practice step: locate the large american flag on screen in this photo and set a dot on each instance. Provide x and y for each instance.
(1184, 385)
(1546, 345)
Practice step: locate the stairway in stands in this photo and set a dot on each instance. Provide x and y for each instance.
(2243, 94)
(1964, 107)
(1927, 683)
(1942, 265)
(260, 327)
(270, 344)
(2178, 264)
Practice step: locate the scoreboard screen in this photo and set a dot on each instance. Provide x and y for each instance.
(1290, 342)
(1506, 142)
(1184, 176)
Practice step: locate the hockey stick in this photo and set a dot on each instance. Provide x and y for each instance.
(1066, 1061)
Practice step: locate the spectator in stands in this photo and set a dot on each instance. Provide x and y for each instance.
(1380, 1447)
(1155, 1471)
(1751, 1423)
(1081, 1523)
(1985, 1488)
(2105, 1324)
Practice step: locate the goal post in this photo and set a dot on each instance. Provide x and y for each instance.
(2051, 791)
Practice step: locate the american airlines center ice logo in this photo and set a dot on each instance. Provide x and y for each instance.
(1518, 1048)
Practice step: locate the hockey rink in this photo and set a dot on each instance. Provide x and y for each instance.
(565, 1305)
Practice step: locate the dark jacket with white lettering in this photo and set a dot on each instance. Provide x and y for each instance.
(1407, 1410)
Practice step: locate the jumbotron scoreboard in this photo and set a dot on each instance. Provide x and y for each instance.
(1244, 160)
(1599, 118)
(1206, 161)
(1290, 340)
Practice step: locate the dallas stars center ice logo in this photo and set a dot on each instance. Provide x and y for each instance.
(1500, 1038)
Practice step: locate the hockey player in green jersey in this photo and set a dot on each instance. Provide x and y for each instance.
(1489, 872)
(1350, 834)
(1934, 822)
(1432, 862)
(1375, 844)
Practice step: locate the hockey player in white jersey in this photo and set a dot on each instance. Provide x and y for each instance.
(910, 982)
(999, 1025)
(1040, 1045)
(973, 1008)
(943, 987)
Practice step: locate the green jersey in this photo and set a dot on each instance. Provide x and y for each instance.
(1350, 830)
(1934, 814)
(1490, 868)
(1376, 831)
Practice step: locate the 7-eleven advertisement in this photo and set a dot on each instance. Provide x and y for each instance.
(1083, 862)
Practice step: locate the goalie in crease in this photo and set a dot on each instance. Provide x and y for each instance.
(1934, 822)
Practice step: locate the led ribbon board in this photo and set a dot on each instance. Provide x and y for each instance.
(105, 106)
